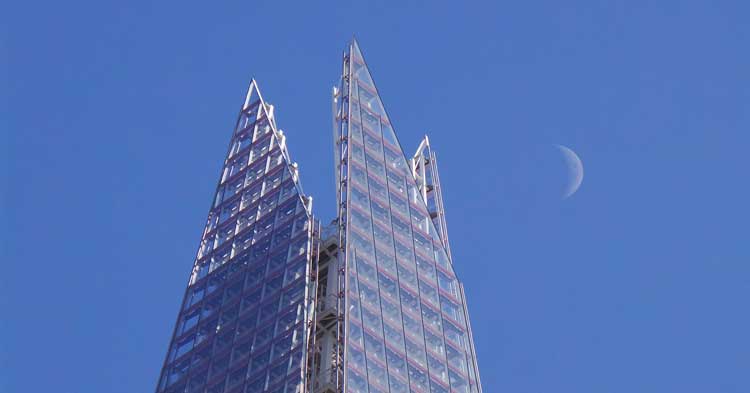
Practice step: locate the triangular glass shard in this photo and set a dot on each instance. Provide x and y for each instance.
(244, 319)
(406, 328)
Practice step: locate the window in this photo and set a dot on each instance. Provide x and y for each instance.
(418, 377)
(277, 260)
(287, 210)
(189, 321)
(237, 165)
(281, 347)
(359, 198)
(241, 142)
(178, 371)
(200, 354)
(387, 285)
(247, 323)
(219, 197)
(372, 143)
(370, 317)
(205, 330)
(236, 376)
(264, 227)
(458, 383)
(211, 306)
(273, 180)
(282, 235)
(286, 321)
(276, 159)
(183, 346)
(216, 281)
(375, 167)
(263, 127)
(294, 294)
(273, 285)
(429, 293)
(301, 223)
(277, 373)
(357, 153)
(223, 341)
(298, 248)
(255, 276)
(221, 256)
(259, 149)
(217, 388)
(219, 366)
(195, 296)
(229, 314)
(241, 350)
(394, 337)
(360, 220)
(255, 172)
(450, 308)
(434, 343)
(412, 326)
(257, 386)
(226, 233)
(229, 211)
(447, 283)
(261, 248)
(407, 277)
(456, 358)
(196, 382)
(260, 361)
(238, 264)
(431, 317)
(243, 242)
(235, 188)
(295, 271)
(251, 196)
(247, 219)
(358, 175)
(269, 203)
(374, 347)
(454, 334)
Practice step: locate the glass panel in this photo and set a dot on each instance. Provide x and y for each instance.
(401, 283)
(232, 310)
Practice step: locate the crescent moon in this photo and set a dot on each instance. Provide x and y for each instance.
(575, 171)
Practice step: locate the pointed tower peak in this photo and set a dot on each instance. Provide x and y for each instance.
(388, 223)
(253, 94)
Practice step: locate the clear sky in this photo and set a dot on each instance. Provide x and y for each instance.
(117, 116)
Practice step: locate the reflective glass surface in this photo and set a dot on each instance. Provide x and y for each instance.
(242, 326)
(406, 324)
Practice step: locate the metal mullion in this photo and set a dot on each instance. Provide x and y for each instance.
(342, 179)
(438, 189)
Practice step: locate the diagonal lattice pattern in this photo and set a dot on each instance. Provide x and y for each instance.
(242, 326)
(406, 326)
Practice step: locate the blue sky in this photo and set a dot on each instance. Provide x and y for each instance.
(117, 116)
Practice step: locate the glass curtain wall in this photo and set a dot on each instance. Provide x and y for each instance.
(243, 322)
(406, 328)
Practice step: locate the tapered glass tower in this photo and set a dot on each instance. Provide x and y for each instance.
(406, 327)
(368, 304)
(243, 322)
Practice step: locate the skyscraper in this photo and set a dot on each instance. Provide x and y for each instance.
(368, 304)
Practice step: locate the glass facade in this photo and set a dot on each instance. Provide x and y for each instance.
(243, 323)
(406, 325)
(373, 307)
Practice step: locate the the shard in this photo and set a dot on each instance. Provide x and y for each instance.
(243, 322)
(367, 304)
